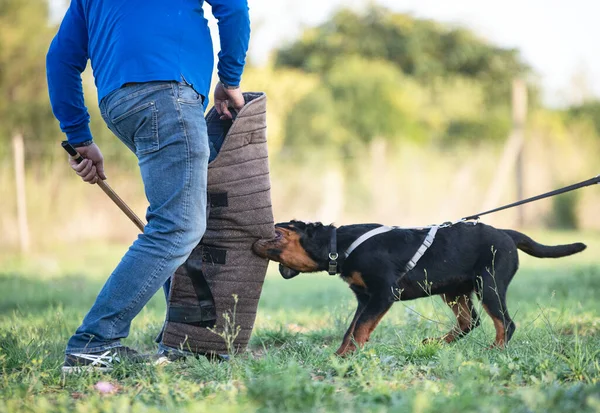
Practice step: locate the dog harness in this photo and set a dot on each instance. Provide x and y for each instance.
(214, 295)
(412, 263)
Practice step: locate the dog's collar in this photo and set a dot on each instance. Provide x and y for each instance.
(333, 254)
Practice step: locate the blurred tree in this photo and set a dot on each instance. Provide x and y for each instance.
(373, 99)
(284, 89)
(564, 211)
(314, 122)
(493, 125)
(420, 48)
(24, 40)
(357, 101)
(588, 110)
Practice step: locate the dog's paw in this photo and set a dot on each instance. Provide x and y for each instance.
(345, 351)
(435, 340)
(497, 346)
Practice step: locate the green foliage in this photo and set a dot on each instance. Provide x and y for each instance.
(564, 211)
(373, 99)
(357, 101)
(24, 40)
(389, 75)
(552, 363)
(492, 126)
(289, 387)
(356, 78)
(313, 122)
(421, 48)
(588, 110)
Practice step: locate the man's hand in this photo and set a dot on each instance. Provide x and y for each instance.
(92, 167)
(224, 98)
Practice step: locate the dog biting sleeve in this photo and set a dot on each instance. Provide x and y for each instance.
(201, 302)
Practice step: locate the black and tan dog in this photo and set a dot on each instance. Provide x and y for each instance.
(464, 258)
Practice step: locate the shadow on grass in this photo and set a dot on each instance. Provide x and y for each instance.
(29, 295)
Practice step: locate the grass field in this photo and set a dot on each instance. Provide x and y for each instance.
(552, 363)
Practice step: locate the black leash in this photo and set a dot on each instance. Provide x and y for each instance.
(595, 180)
(333, 254)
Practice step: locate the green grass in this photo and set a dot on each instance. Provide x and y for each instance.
(552, 363)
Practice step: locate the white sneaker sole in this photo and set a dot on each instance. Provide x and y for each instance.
(162, 361)
(85, 369)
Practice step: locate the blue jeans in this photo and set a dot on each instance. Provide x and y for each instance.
(163, 123)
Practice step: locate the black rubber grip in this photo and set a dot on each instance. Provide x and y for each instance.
(71, 151)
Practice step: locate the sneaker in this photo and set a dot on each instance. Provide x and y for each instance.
(102, 361)
(167, 357)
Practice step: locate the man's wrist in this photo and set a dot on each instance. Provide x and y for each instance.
(228, 86)
(84, 143)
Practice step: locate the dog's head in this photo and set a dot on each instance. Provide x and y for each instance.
(298, 247)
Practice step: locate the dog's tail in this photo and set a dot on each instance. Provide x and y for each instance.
(529, 246)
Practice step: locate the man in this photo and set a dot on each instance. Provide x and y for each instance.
(152, 62)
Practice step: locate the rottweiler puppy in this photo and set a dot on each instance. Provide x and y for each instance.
(465, 258)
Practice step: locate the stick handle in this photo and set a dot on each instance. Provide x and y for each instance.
(121, 204)
(106, 188)
(71, 151)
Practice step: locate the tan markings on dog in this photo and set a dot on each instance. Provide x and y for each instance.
(376, 323)
(346, 347)
(360, 336)
(462, 310)
(293, 255)
(347, 341)
(262, 246)
(363, 331)
(500, 340)
(356, 279)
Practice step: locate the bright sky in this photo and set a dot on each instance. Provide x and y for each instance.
(558, 38)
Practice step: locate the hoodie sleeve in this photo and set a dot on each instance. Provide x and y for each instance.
(234, 33)
(65, 61)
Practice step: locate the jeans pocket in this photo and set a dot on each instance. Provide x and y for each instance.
(188, 95)
(140, 126)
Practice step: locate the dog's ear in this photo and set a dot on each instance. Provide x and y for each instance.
(297, 224)
(312, 229)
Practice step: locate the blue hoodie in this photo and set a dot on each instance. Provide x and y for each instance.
(140, 41)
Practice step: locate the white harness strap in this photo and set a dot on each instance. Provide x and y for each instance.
(412, 263)
(366, 236)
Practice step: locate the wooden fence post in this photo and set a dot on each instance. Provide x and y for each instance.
(19, 159)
